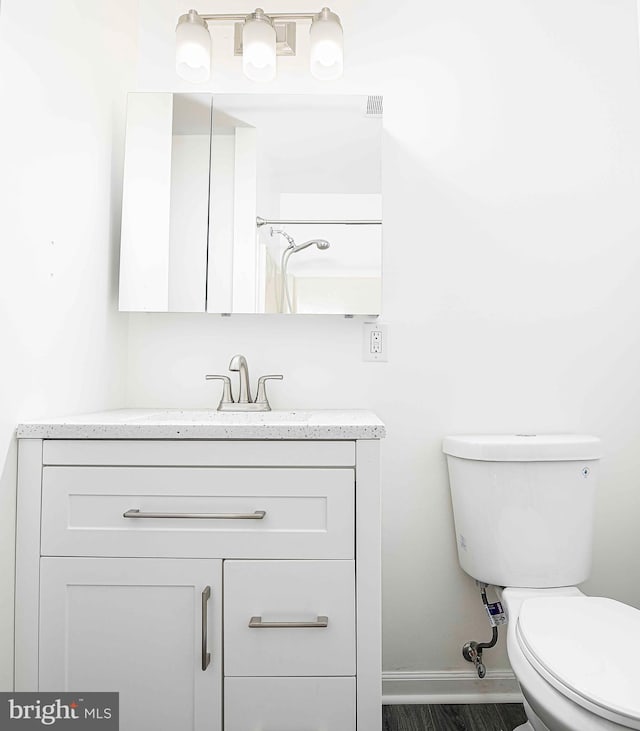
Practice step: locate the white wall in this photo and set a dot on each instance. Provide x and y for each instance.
(65, 67)
(511, 266)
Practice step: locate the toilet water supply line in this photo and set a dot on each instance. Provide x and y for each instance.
(472, 651)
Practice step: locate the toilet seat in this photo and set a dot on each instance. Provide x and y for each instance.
(585, 647)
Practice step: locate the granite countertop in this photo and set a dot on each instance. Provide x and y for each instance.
(207, 424)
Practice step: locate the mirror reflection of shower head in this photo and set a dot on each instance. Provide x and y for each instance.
(274, 231)
(292, 249)
(322, 244)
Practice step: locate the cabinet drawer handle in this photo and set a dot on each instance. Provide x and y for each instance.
(206, 656)
(257, 623)
(256, 515)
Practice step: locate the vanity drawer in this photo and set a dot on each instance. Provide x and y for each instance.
(260, 512)
(290, 704)
(262, 599)
(199, 453)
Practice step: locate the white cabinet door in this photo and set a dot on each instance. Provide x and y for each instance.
(289, 618)
(138, 626)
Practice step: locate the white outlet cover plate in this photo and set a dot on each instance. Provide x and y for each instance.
(368, 354)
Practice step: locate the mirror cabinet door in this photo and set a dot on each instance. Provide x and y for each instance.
(165, 203)
(252, 203)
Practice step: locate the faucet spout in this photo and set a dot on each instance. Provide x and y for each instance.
(239, 363)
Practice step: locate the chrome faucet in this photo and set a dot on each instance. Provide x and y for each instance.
(239, 363)
(245, 402)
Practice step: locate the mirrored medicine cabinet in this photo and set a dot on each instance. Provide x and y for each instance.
(252, 203)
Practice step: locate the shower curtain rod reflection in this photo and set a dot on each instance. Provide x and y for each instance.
(355, 222)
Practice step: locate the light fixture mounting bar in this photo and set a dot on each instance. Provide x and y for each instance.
(285, 39)
(284, 24)
(243, 16)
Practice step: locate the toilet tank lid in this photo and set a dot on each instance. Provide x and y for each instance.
(523, 447)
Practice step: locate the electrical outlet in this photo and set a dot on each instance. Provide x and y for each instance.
(374, 342)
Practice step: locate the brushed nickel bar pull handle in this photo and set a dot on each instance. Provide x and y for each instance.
(257, 623)
(256, 515)
(206, 656)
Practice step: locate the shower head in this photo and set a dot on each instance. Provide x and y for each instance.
(322, 244)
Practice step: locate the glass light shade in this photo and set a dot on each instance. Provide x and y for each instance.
(259, 48)
(193, 48)
(326, 46)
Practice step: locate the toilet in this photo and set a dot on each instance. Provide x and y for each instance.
(523, 509)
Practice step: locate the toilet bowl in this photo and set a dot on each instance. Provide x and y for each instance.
(573, 658)
(523, 512)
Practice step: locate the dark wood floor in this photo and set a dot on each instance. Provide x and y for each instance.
(479, 717)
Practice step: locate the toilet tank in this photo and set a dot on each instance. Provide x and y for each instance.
(523, 507)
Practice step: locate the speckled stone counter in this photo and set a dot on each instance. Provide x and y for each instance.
(207, 424)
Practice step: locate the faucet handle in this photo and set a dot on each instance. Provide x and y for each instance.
(261, 395)
(227, 397)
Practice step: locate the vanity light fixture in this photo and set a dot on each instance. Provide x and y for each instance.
(193, 48)
(325, 46)
(259, 38)
(259, 47)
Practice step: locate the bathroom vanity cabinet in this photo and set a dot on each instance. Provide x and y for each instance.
(216, 579)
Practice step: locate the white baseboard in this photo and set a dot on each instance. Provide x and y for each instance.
(450, 686)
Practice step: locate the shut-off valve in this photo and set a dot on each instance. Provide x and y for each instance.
(472, 651)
